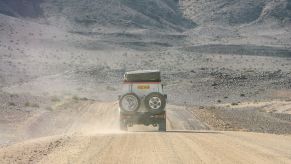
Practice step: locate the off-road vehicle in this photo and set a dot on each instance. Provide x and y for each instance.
(143, 100)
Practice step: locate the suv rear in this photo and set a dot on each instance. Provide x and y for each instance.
(143, 100)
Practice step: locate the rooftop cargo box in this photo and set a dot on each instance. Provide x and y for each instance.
(143, 76)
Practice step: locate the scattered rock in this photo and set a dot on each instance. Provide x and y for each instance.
(214, 84)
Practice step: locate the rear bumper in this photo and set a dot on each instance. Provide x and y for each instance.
(143, 118)
(142, 98)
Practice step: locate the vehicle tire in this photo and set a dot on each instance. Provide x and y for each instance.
(162, 125)
(155, 102)
(129, 103)
(123, 125)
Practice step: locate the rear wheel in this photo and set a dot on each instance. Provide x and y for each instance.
(162, 125)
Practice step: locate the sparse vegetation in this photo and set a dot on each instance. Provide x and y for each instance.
(110, 88)
(27, 104)
(234, 103)
(49, 108)
(11, 104)
(55, 99)
(84, 99)
(76, 98)
(32, 105)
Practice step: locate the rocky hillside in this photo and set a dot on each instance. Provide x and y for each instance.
(92, 15)
(20, 8)
(162, 15)
(237, 12)
(231, 40)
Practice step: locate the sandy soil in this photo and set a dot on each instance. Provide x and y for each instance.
(94, 137)
(150, 147)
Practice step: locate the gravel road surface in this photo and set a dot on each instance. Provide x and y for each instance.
(94, 138)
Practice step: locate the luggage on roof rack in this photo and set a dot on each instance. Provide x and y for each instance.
(143, 76)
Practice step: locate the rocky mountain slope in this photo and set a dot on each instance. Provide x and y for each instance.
(20, 8)
(237, 12)
(91, 15)
(113, 36)
(255, 22)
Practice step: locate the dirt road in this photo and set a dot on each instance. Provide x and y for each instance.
(94, 137)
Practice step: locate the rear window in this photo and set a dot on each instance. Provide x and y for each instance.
(147, 76)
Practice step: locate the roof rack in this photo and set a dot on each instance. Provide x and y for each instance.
(143, 76)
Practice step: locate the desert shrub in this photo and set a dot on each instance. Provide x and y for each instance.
(55, 99)
(84, 99)
(33, 105)
(201, 107)
(27, 104)
(11, 104)
(49, 108)
(234, 103)
(110, 88)
(75, 98)
(13, 95)
(212, 108)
